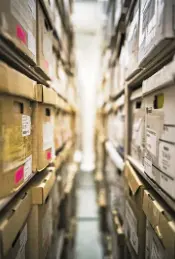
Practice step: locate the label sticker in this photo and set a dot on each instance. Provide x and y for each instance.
(132, 227)
(21, 34)
(47, 135)
(148, 166)
(28, 168)
(31, 43)
(19, 174)
(167, 158)
(26, 125)
(151, 141)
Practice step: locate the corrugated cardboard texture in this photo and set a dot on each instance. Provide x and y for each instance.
(16, 142)
(15, 83)
(13, 220)
(162, 223)
(42, 187)
(18, 24)
(134, 190)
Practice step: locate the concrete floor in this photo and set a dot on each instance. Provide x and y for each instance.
(88, 244)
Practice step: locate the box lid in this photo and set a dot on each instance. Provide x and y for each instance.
(15, 83)
(162, 222)
(13, 220)
(133, 180)
(42, 187)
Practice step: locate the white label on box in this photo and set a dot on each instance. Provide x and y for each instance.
(148, 166)
(31, 43)
(28, 168)
(151, 141)
(167, 184)
(26, 125)
(132, 227)
(167, 158)
(32, 7)
(47, 135)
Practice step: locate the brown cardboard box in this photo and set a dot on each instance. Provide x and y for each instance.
(14, 227)
(18, 24)
(40, 218)
(15, 131)
(44, 41)
(160, 231)
(43, 125)
(134, 224)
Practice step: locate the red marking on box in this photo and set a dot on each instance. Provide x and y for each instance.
(49, 155)
(21, 34)
(19, 174)
(46, 64)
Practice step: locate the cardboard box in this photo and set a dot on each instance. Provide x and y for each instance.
(43, 127)
(44, 42)
(132, 42)
(119, 123)
(17, 94)
(137, 126)
(135, 223)
(18, 25)
(156, 25)
(160, 229)
(14, 227)
(159, 138)
(40, 218)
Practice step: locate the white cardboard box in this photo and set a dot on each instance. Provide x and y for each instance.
(156, 28)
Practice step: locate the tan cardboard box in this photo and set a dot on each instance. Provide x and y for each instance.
(17, 94)
(160, 230)
(43, 127)
(18, 24)
(14, 227)
(160, 137)
(135, 223)
(40, 218)
(44, 41)
(137, 126)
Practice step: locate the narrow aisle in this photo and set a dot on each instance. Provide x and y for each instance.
(88, 236)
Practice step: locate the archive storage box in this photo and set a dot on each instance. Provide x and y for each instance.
(40, 218)
(14, 227)
(44, 42)
(43, 126)
(160, 229)
(156, 26)
(137, 126)
(17, 94)
(132, 42)
(134, 223)
(18, 25)
(160, 132)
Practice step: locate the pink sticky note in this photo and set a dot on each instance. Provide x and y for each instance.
(19, 174)
(49, 155)
(21, 34)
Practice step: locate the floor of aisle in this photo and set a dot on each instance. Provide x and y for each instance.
(88, 243)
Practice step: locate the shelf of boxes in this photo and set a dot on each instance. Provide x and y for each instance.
(141, 68)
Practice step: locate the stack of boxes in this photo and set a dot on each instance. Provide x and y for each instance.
(143, 75)
(36, 125)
